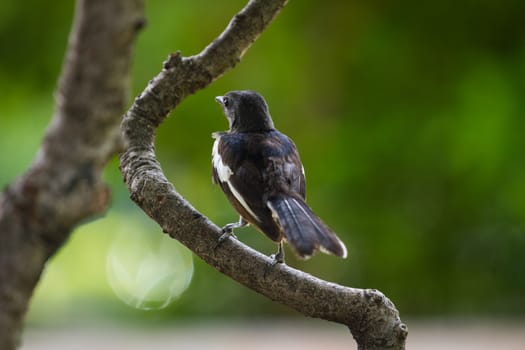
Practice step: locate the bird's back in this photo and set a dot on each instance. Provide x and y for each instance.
(261, 165)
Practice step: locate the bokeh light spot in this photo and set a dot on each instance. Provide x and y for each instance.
(148, 271)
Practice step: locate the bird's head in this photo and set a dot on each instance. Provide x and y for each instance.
(246, 111)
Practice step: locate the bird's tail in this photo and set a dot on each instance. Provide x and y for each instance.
(304, 231)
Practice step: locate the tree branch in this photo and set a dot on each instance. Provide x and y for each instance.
(371, 317)
(63, 185)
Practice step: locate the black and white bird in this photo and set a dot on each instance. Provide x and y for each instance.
(260, 171)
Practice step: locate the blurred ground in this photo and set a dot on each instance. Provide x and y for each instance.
(289, 335)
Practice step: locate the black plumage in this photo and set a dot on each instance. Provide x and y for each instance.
(260, 171)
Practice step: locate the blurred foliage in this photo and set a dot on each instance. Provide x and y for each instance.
(409, 117)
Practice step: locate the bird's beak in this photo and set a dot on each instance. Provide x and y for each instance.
(219, 100)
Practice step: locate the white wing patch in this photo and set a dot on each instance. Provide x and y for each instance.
(242, 201)
(224, 173)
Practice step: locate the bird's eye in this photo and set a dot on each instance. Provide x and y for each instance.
(226, 101)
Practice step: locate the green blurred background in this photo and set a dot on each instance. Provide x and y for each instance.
(410, 120)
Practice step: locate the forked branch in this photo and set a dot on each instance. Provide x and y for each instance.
(371, 317)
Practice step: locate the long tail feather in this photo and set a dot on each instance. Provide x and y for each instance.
(304, 231)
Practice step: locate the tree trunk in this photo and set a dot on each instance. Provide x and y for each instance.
(62, 187)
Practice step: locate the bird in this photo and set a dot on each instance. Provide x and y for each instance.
(259, 170)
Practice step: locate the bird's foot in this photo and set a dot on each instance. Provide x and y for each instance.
(225, 235)
(278, 258)
(227, 232)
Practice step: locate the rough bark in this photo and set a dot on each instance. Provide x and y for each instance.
(371, 317)
(62, 187)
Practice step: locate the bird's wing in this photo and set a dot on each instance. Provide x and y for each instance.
(239, 177)
(283, 166)
(268, 165)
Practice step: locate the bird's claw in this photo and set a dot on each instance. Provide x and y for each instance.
(277, 259)
(227, 232)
